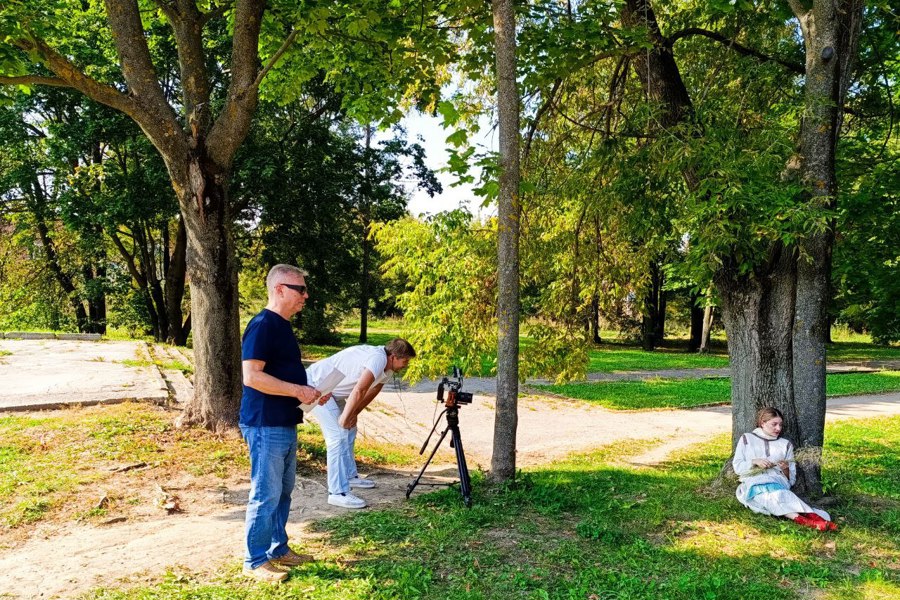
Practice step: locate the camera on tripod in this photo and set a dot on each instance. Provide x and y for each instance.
(455, 395)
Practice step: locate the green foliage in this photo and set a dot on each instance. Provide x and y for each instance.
(445, 266)
(315, 188)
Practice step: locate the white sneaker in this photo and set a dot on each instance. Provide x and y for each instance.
(346, 501)
(359, 482)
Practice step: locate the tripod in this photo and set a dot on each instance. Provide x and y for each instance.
(465, 484)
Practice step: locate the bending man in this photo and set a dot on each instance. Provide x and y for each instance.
(365, 369)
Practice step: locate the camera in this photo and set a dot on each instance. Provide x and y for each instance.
(455, 395)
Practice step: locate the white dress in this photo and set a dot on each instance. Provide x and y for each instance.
(773, 495)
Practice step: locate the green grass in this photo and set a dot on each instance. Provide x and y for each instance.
(685, 393)
(174, 365)
(611, 358)
(594, 528)
(857, 351)
(50, 464)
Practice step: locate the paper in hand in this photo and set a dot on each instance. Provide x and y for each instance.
(326, 386)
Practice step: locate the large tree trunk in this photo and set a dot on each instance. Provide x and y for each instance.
(212, 271)
(830, 34)
(503, 459)
(758, 314)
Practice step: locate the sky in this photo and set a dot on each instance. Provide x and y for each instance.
(427, 131)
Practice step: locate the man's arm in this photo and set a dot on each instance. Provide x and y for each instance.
(359, 398)
(256, 378)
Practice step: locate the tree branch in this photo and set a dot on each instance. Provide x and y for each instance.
(275, 57)
(740, 49)
(134, 56)
(35, 80)
(537, 118)
(68, 72)
(188, 30)
(797, 8)
(231, 127)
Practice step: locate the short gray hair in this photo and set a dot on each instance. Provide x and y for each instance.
(278, 271)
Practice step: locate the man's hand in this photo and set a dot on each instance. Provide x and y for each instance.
(346, 420)
(324, 399)
(306, 394)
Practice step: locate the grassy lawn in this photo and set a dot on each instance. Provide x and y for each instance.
(594, 528)
(685, 393)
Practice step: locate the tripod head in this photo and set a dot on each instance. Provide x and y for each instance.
(453, 386)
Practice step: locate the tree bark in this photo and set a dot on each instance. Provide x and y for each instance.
(212, 270)
(696, 337)
(708, 314)
(503, 459)
(831, 31)
(651, 315)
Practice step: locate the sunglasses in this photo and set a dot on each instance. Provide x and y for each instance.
(300, 289)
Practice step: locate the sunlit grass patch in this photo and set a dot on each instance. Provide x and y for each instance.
(57, 462)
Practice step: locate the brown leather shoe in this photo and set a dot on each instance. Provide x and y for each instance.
(292, 559)
(266, 572)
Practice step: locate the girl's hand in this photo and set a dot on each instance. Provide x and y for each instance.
(763, 463)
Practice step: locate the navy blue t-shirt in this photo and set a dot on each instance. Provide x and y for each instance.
(269, 338)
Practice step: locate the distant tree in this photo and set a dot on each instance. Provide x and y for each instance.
(314, 187)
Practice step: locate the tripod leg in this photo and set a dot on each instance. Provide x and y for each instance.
(465, 484)
(412, 485)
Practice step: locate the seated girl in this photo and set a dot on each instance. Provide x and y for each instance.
(764, 461)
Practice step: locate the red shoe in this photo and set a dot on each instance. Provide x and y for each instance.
(807, 521)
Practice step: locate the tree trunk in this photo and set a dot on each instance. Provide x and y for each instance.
(758, 313)
(364, 281)
(696, 338)
(503, 459)
(651, 312)
(595, 320)
(175, 269)
(708, 313)
(659, 333)
(831, 31)
(214, 298)
(364, 293)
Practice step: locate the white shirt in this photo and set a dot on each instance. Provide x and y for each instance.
(351, 362)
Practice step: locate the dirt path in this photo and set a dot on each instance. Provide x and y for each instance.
(65, 562)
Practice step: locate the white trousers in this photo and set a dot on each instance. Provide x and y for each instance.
(339, 445)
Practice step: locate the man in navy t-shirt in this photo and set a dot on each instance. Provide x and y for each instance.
(274, 386)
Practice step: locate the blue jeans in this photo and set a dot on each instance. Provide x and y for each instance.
(340, 446)
(273, 470)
